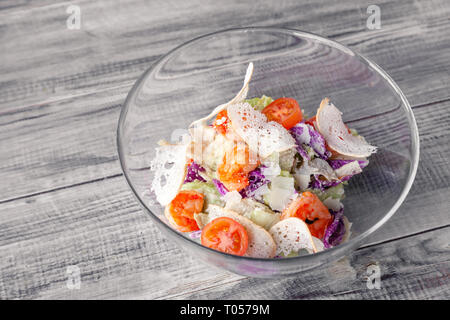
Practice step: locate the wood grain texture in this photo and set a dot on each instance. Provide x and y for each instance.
(64, 202)
(77, 147)
(423, 74)
(100, 228)
(68, 142)
(416, 267)
(113, 49)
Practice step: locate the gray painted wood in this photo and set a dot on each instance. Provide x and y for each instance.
(110, 49)
(64, 202)
(415, 267)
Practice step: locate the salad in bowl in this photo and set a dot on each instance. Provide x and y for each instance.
(258, 178)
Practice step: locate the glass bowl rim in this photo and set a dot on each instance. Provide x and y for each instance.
(347, 246)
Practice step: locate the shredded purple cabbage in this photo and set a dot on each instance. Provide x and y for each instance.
(193, 173)
(318, 143)
(256, 179)
(313, 139)
(302, 152)
(296, 132)
(337, 163)
(316, 184)
(220, 187)
(320, 184)
(336, 230)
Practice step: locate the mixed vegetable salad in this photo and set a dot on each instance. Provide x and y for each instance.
(257, 178)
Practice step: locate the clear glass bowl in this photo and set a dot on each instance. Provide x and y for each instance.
(189, 81)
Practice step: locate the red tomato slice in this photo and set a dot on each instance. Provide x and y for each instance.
(310, 209)
(222, 122)
(226, 235)
(180, 211)
(285, 111)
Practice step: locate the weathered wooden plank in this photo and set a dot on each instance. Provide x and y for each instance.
(100, 229)
(60, 144)
(97, 225)
(111, 50)
(45, 157)
(16, 6)
(22, 123)
(73, 141)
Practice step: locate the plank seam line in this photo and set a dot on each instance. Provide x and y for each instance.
(61, 188)
(15, 11)
(120, 174)
(402, 237)
(238, 280)
(130, 84)
(66, 97)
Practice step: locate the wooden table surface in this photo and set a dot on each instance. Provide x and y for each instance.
(65, 204)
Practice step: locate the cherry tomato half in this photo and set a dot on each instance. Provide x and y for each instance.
(180, 212)
(285, 111)
(226, 235)
(310, 209)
